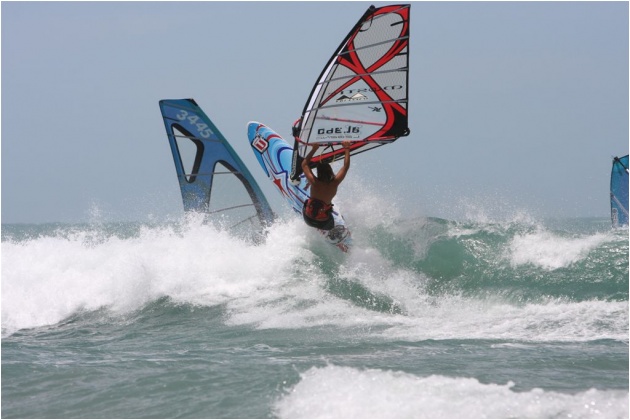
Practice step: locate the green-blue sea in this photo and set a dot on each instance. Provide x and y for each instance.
(424, 318)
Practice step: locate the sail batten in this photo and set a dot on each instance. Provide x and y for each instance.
(348, 120)
(334, 79)
(324, 117)
(376, 44)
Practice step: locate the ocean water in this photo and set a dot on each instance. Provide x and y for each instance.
(425, 318)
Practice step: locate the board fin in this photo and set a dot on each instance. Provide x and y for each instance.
(212, 178)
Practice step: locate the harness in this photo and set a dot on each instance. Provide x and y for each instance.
(317, 209)
(318, 214)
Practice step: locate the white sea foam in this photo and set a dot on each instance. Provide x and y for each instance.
(48, 279)
(278, 284)
(454, 317)
(549, 251)
(344, 392)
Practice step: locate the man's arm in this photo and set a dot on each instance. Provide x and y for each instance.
(346, 163)
(306, 167)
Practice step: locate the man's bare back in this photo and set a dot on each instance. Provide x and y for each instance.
(317, 209)
(325, 190)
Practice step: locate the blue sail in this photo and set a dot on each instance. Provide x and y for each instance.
(202, 155)
(619, 191)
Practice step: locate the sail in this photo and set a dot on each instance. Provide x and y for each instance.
(212, 178)
(361, 95)
(619, 191)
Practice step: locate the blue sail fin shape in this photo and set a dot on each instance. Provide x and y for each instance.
(204, 159)
(619, 191)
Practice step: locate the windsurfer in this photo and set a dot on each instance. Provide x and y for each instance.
(317, 210)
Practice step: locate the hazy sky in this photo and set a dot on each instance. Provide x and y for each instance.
(519, 105)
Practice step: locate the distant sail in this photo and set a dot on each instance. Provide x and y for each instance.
(619, 191)
(212, 178)
(362, 93)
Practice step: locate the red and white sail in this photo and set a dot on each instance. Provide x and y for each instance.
(362, 93)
